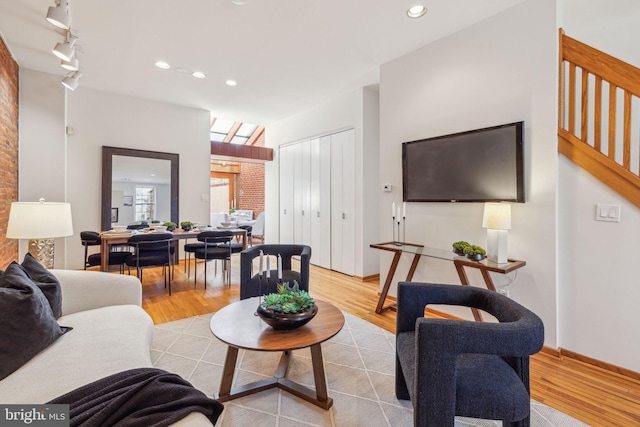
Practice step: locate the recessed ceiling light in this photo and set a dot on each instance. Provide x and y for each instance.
(238, 2)
(416, 11)
(163, 65)
(231, 83)
(198, 75)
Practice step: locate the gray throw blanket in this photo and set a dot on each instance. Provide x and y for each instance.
(138, 397)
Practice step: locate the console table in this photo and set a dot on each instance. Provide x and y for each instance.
(460, 262)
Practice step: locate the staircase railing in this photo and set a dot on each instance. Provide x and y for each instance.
(599, 116)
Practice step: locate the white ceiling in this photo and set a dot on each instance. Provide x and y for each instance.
(286, 55)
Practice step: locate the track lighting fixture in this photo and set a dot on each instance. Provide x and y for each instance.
(72, 65)
(66, 50)
(59, 15)
(71, 81)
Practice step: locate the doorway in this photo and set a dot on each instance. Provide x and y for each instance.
(223, 192)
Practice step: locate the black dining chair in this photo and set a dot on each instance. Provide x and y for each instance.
(217, 246)
(92, 238)
(152, 250)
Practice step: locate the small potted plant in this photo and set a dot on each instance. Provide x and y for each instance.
(458, 247)
(475, 252)
(170, 225)
(186, 225)
(287, 309)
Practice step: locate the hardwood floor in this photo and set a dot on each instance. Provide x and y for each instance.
(587, 392)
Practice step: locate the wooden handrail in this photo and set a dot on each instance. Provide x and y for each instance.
(584, 115)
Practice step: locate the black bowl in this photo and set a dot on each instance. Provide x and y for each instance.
(286, 321)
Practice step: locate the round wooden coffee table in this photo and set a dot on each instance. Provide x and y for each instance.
(237, 326)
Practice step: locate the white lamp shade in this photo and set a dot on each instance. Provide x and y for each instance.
(497, 216)
(59, 15)
(39, 220)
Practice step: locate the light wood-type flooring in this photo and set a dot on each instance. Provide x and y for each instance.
(589, 393)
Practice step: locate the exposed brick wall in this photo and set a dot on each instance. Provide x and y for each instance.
(8, 150)
(251, 184)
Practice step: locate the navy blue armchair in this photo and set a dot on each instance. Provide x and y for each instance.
(454, 368)
(251, 284)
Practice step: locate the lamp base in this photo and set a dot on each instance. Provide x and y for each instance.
(42, 250)
(497, 246)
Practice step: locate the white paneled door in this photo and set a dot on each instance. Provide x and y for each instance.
(343, 202)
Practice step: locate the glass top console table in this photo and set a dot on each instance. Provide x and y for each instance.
(418, 251)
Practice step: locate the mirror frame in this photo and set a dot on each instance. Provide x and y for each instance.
(107, 164)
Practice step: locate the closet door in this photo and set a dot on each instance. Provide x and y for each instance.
(286, 193)
(305, 193)
(343, 202)
(320, 211)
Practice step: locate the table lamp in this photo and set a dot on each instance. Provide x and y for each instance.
(40, 222)
(497, 220)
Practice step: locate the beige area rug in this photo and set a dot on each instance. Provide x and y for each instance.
(359, 364)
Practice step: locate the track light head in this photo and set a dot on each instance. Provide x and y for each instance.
(71, 81)
(59, 15)
(72, 65)
(66, 50)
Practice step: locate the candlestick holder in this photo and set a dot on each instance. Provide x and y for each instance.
(398, 243)
(404, 230)
(393, 229)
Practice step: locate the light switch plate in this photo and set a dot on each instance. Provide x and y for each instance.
(607, 213)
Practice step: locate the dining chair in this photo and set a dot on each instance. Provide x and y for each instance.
(92, 238)
(257, 230)
(152, 250)
(217, 246)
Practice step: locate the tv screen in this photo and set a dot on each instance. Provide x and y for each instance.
(483, 165)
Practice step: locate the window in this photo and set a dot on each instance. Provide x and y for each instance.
(145, 203)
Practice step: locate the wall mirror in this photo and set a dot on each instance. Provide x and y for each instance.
(123, 171)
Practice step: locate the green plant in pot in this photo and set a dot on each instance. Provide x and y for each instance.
(289, 308)
(170, 225)
(458, 247)
(475, 252)
(186, 225)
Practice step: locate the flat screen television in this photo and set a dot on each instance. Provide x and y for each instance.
(483, 165)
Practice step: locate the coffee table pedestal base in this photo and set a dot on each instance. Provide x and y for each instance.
(319, 397)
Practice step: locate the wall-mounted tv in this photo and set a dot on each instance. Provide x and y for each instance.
(482, 165)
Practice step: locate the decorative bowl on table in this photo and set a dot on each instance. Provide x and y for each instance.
(225, 224)
(286, 321)
(119, 228)
(289, 308)
(159, 228)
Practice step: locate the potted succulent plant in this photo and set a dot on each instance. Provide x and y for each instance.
(289, 308)
(458, 247)
(186, 225)
(475, 252)
(170, 225)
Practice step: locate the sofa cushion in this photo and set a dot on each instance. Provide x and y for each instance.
(103, 341)
(46, 281)
(28, 324)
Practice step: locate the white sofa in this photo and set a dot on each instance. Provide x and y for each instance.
(111, 333)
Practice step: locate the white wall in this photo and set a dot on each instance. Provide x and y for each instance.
(598, 314)
(342, 113)
(42, 154)
(498, 71)
(100, 118)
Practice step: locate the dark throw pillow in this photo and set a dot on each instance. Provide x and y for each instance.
(27, 324)
(46, 281)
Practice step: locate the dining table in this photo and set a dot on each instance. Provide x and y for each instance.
(110, 238)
